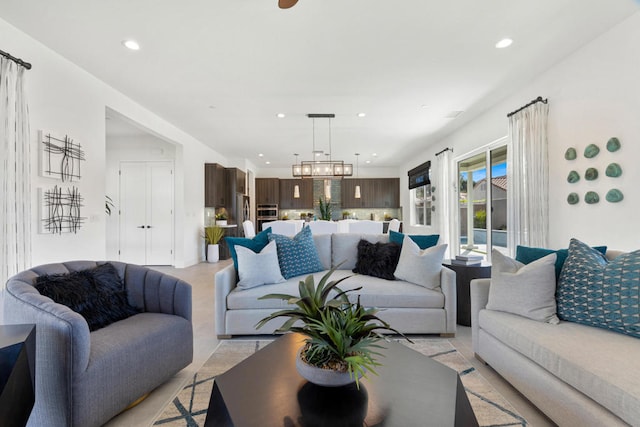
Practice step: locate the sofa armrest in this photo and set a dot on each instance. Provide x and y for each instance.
(448, 286)
(479, 297)
(224, 281)
(156, 292)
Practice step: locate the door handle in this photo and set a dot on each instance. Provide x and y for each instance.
(140, 226)
(148, 226)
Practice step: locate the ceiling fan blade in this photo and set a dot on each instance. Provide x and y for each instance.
(286, 4)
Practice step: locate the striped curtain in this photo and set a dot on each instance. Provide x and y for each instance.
(15, 175)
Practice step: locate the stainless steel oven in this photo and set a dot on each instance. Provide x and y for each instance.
(265, 213)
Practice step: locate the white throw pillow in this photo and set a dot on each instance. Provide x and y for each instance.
(527, 290)
(255, 269)
(420, 266)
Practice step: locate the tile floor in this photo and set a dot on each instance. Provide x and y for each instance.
(201, 278)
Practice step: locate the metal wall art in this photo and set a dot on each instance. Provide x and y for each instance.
(60, 157)
(60, 210)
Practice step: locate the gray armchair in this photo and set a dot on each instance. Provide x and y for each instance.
(85, 378)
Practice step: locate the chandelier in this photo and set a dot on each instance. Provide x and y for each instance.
(327, 168)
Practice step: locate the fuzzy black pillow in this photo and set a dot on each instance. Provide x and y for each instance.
(97, 294)
(377, 259)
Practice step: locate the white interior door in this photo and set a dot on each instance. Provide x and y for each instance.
(146, 213)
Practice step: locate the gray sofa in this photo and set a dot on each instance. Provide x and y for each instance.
(85, 378)
(409, 308)
(577, 375)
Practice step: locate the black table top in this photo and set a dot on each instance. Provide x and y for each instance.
(409, 390)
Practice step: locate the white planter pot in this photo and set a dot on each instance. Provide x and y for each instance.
(213, 253)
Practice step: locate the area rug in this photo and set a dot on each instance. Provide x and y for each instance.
(189, 408)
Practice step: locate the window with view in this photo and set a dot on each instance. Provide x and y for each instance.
(421, 201)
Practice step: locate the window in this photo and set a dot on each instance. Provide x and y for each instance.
(421, 202)
(482, 188)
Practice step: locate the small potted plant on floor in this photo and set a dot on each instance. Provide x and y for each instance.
(341, 336)
(212, 236)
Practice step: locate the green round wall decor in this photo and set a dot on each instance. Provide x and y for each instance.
(570, 154)
(591, 197)
(613, 144)
(614, 196)
(591, 151)
(573, 177)
(591, 174)
(613, 170)
(573, 198)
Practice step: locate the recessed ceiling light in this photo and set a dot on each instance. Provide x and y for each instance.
(281, 115)
(267, 162)
(504, 43)
(368, 161)
(362, 114)
(260, 155)
(375, 154)
(131, 44)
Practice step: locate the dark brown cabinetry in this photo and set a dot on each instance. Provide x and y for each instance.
(267, 191)
(237, 178)
(287, 201)
(216, 192)
(374, 192)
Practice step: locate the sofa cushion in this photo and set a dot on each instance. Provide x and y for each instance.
(424, 241)
(97, 294)
(256, 244)
(527, 290)
(323, 246)
(255, 269)
(344, 247)
(420, 266)
(377, 259)
(595, 292)
(297, 255)
(376, 292)
(526, 255)
(599, 363)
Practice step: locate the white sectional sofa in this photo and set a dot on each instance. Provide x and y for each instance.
(409, 308)
(577, 375)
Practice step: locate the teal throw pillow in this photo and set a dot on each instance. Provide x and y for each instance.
(527, 255)
(297, 255)
(595, 292)
(256, 244)
(423, 241)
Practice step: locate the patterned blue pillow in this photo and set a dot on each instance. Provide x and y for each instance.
(423, 241)
(595, 292)
(297, 255)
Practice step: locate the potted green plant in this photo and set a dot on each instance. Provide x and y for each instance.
(325, 209)
(212, 237)
(221, 217)
(341, 336)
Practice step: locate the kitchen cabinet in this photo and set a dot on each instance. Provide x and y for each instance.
(237, 180)
(375, 193)
(287, 201)
(267, 191)
(215, 186)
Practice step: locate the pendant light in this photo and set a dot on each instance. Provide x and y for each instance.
(327, 189)
(296, 188)
(357, 195)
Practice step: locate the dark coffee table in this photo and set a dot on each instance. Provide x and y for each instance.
(410, 390)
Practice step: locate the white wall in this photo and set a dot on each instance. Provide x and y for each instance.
(593, 95)
(62, 97)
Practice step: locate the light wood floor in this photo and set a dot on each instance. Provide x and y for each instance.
(201, 278)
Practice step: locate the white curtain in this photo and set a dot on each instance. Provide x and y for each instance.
(15, 193)
(528, 178)
(443, 198)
